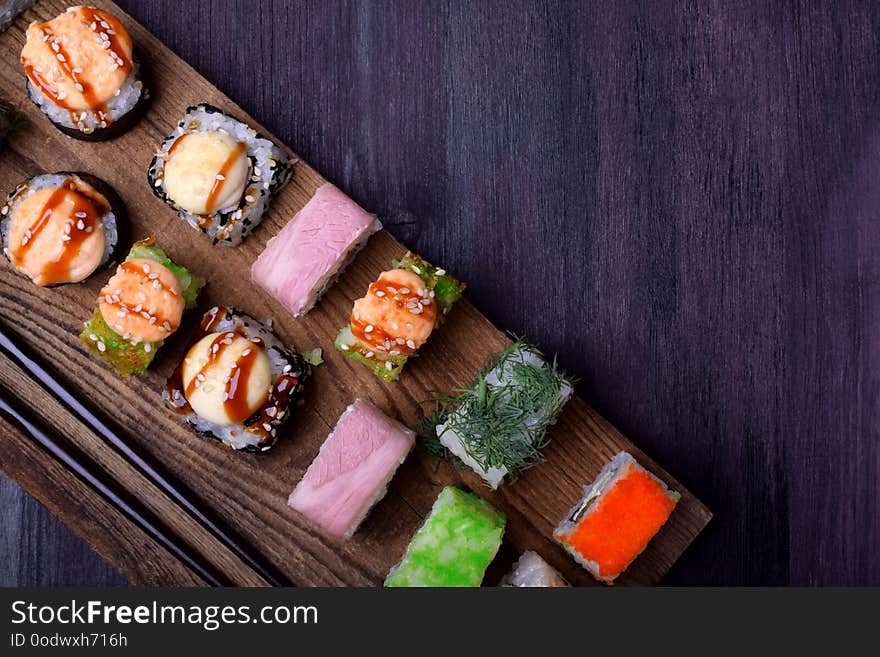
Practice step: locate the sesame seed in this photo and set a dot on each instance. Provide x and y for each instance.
(93, 337)
(394, 352)
(246, 352)
(395, 326)
(80, 224)
(416, 269)
(344, 347)
(287, 368)
(400, 341)
(380, 293)
(102, 347)
(61, 58)
(410, 344)
(220, 176)
(65, 238)
(249, 199)
(389, 366)
(200, 376)
(67, 228)
(271, 411)
(426, 302)
(369, 328)
(78, 87)
(267, 426)
(153, 276)
(148, 347)
(440, 272)
(369, 354)
(282, 386)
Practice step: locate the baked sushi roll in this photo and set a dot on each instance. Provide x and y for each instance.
(139, 308)
(218, 173)
(454, 545)
(620, 513)
(83, 75)
(531, 571)
(351, 472)
(498, 425)
(398, 314)
(238, 383)
(304, 259)
(61, 227)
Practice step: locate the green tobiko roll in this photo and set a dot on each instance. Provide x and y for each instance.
(455, 544)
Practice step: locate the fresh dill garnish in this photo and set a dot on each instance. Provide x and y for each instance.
(502, 417)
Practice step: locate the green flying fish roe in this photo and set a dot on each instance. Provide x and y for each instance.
(454, 545)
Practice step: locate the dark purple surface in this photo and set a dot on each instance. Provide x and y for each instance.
(683, 201)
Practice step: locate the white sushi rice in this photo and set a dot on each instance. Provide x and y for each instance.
(531, 571)
(280, 361)
(53, 181)
(501, 375)
(87, 121)
(270, 171)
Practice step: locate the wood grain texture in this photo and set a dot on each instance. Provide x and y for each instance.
(698, 178)
(250, 492)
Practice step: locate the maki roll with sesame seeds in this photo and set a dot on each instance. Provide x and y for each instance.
(61, 228)
(218, 173)
(238, 383)
(398, 314)
(139, 308)
(83, 74)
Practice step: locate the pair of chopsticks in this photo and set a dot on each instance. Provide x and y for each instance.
(72, 458)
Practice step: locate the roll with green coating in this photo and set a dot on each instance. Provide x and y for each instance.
(455, 544)
(140, 307)
(398, 314)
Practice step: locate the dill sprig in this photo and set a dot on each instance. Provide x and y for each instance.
(503, 415)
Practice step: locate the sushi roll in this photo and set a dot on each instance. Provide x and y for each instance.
(218, 173)
(620, 513)
(498, 425)
(61, 227)
(454, 545)
(238, 382)
(398, 314)
(139, 308)
(352, 470)
(531, 571)
(304, 259)
(83, 74)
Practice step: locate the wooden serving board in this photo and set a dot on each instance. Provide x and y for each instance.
(249, 492)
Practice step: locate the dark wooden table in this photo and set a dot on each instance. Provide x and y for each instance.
(683, 200)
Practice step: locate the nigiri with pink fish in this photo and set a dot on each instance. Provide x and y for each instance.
(352, 470)
(304, 259)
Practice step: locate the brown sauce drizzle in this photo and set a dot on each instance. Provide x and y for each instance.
(92, 208)
(378, 335)
(235, 405)
(96, 19)
(131, 268)
(220, 181)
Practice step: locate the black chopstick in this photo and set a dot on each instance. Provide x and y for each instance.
(19, 354)
(88, 472)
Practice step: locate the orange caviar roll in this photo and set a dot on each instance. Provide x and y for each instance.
(616, 519)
